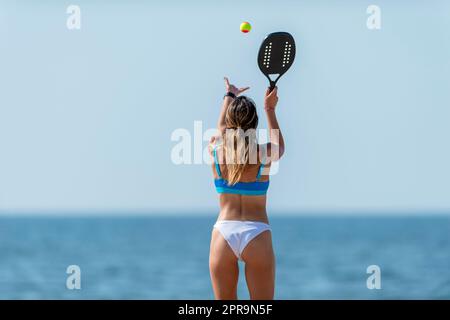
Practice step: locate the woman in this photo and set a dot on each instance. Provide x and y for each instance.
(242, 229)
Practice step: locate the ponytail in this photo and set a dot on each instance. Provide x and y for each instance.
(240, 137)
(240, 151)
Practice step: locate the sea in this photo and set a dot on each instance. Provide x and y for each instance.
(166, 257)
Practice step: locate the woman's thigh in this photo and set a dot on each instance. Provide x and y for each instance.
(223, 266)
(260, 267)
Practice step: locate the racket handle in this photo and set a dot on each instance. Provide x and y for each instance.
(272, 85)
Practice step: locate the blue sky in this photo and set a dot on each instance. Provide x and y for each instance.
(86, 116)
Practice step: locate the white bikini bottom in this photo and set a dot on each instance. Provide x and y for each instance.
(238, 234)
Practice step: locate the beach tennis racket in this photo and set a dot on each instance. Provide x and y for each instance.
(276, 55)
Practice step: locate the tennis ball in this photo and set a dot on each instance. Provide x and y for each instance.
(245, 27)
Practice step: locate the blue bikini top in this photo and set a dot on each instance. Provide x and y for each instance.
(255, 188)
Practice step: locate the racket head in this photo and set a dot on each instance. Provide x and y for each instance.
(276, 55)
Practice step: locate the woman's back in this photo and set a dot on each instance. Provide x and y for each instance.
(242, 205)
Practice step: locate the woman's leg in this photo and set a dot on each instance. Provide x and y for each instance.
(260, 267)
(223, 267)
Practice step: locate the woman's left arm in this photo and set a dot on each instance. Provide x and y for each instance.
(226, 103)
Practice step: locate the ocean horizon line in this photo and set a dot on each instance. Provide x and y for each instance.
(151, 213)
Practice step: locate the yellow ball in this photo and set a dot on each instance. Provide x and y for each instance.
(245, 27)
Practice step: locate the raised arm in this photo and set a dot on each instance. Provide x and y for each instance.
(226, 102)
(275, 148)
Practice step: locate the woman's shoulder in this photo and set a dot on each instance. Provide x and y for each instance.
(263, 154)
(214, 143)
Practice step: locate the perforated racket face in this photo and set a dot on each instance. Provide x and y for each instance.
(276, 55)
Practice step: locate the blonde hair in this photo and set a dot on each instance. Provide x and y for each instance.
(241, 120)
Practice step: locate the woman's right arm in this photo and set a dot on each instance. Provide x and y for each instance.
(275, 148)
